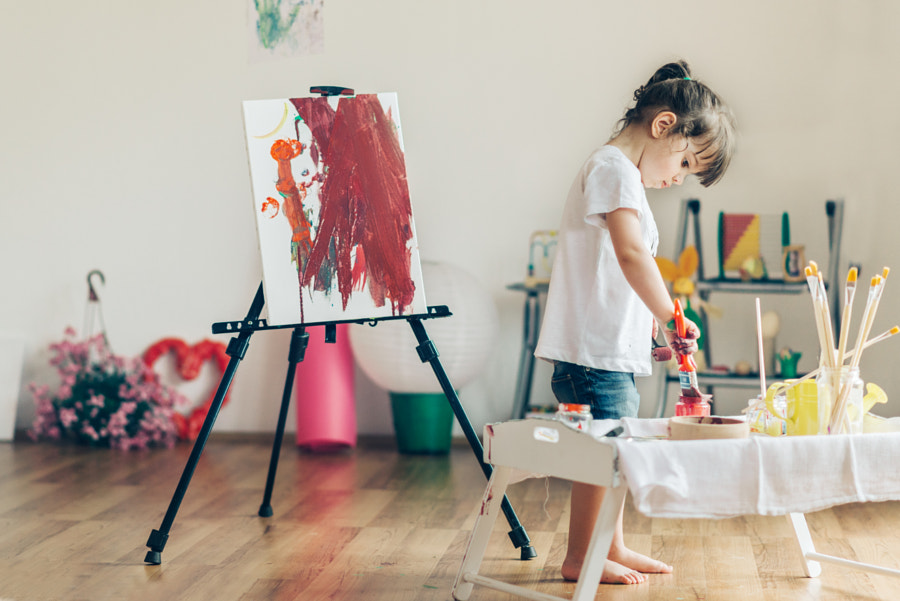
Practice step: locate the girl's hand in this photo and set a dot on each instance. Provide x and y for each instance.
(686, 345)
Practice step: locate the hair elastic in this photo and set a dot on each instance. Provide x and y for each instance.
(687, 79)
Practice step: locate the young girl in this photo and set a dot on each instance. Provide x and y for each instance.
(606, 295)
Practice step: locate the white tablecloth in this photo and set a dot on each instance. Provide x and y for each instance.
(757, 475)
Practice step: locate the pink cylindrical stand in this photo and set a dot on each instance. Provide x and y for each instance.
(326, 403)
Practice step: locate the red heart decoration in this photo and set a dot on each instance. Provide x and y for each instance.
(188, 362)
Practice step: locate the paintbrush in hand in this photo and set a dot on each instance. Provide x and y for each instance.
(687, 368)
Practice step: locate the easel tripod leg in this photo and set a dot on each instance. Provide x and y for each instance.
(428, 352)
(237, 348)
(158, 538)
(299, 342)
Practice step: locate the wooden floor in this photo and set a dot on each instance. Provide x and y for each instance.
(367, 524)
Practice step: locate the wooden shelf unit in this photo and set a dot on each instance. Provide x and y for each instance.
(689, 223)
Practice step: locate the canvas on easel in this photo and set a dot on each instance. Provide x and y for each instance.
(332, 208)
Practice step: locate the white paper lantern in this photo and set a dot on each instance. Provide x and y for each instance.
(387, 352)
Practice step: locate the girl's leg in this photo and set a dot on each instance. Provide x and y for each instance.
(623, 566)
(586, 501)
(612, 395)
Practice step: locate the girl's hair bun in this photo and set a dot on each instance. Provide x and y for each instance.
(677, 70)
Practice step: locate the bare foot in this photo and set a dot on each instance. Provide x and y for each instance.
(636, 561)
(613, 573)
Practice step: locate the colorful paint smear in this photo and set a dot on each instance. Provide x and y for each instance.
(283, 151)
(274, 21)
(345, 227)
(285, 28)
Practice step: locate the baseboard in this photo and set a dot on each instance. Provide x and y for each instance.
(365, 441)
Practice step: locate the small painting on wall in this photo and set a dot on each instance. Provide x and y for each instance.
(332, 209)
(285, 28)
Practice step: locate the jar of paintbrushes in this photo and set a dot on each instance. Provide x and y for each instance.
(840, 399)
(839, 388)
(835, 404)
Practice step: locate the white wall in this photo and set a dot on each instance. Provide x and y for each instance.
(123, 151)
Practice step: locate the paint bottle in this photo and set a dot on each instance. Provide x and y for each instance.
(575, 416)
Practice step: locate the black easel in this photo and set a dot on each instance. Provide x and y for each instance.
(237, 348)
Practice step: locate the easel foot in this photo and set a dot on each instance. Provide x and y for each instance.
(265, 511)
(156, 543)
(520, 539)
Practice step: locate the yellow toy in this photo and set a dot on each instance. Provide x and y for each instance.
(680, 276)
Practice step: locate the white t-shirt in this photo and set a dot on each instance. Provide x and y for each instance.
(593, 317)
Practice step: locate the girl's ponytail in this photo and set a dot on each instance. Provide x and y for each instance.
(678, 70)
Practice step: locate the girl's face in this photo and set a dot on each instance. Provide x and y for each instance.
(668, 160)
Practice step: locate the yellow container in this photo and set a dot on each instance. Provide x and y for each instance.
(799, 409)
(798, 406)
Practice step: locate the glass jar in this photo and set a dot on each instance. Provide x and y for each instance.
(575, 416)
(692, 405)
(763, 415)
(842, 387)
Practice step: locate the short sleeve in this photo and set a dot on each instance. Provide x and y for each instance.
(609, 182)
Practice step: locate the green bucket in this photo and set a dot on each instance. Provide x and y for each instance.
(423, 422)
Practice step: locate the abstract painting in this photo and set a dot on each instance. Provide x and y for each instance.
(760, 238)
(333, 213)
(285, 28)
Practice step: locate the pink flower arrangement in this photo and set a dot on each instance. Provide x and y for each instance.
(103, 400)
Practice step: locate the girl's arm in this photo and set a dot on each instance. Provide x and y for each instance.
(643, 275)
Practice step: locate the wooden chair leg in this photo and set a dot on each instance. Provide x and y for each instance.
(812, 559)
(811, 569)
(481, 533)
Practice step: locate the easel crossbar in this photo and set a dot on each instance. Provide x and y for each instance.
(255, 325)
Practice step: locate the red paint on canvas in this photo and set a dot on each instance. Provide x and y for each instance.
(364, 201)
(319, 118)
(359, 269)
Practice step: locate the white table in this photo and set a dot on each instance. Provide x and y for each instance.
(547, 447)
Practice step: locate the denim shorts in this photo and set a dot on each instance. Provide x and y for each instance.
(611, 394)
